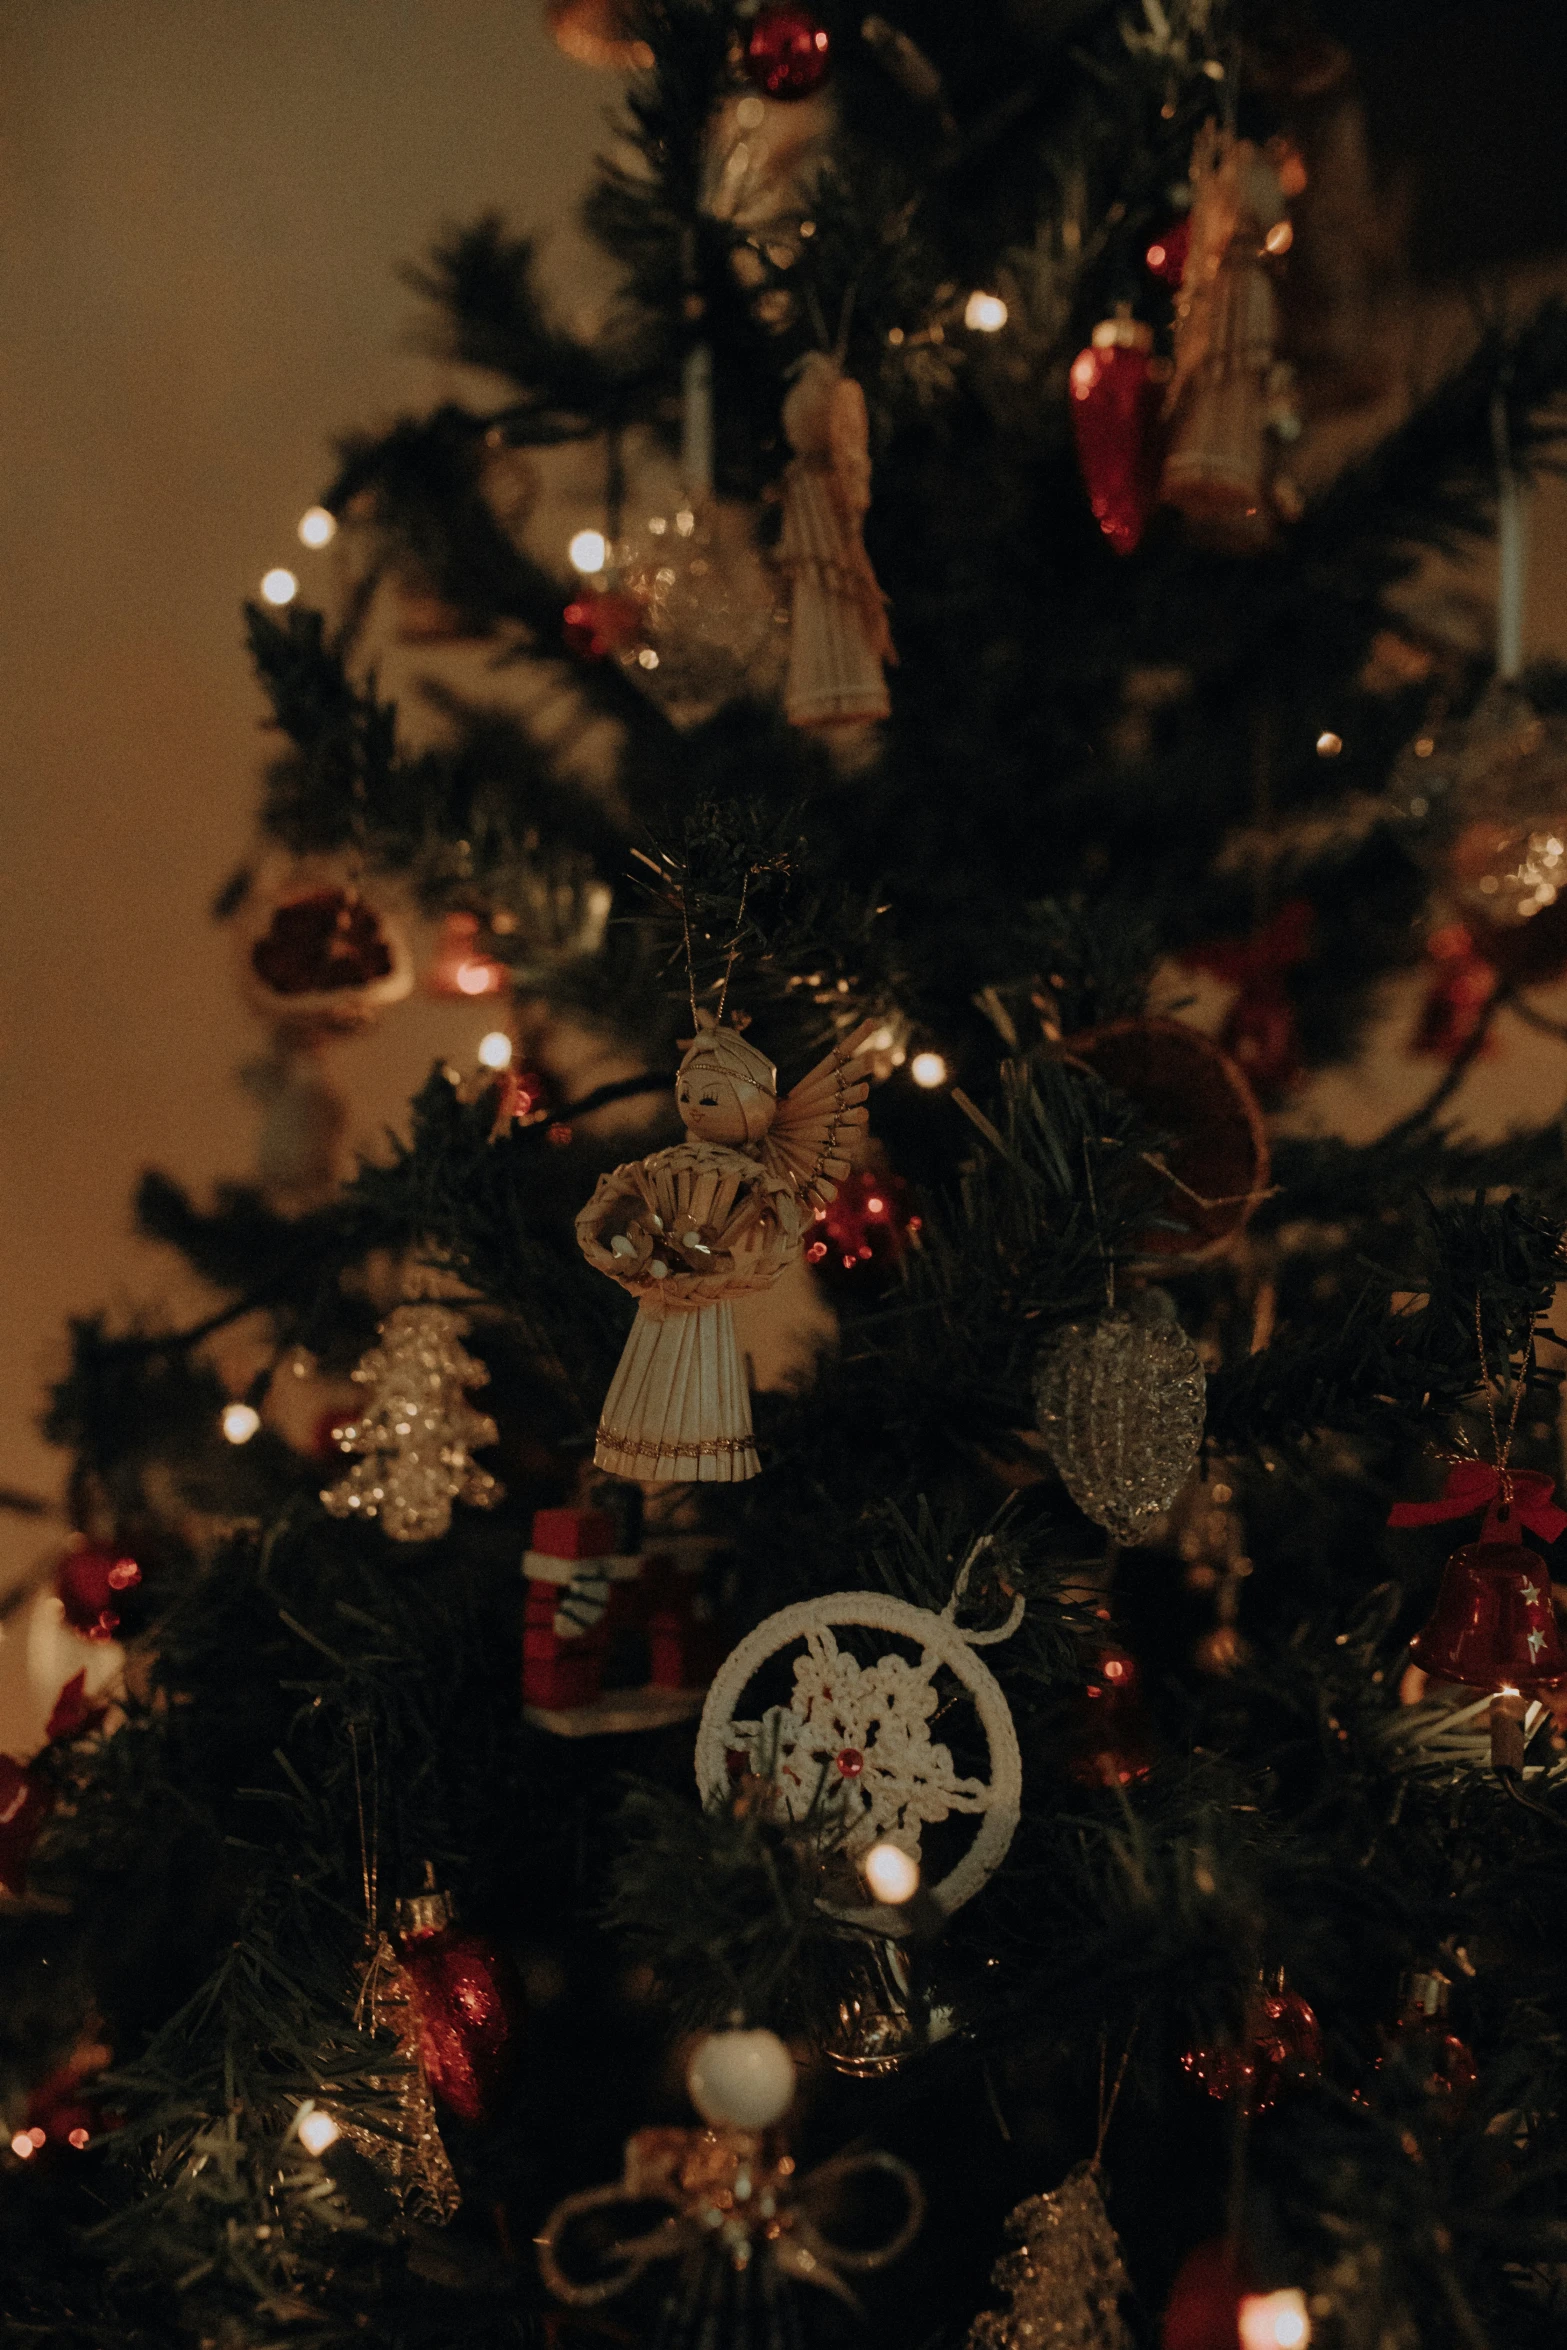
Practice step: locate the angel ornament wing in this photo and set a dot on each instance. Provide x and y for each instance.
(838, 634)
(689, 1229)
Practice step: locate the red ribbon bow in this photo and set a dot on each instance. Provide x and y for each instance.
(1512, 1500)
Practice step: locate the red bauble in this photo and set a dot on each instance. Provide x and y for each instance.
(1493, 1626)
(788, 53)
(458, 968)
(1115, 405)
(328, 940)
(90, 1582)
(1189, 1089)
(1110, 1741)
(1166, 256)
(1282, 2050)
(868, 1227)
(1202, 2312)
(464, 1999)
(596, 625)
(1456, 1001)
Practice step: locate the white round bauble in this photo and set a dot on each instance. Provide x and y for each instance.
(743, 2078)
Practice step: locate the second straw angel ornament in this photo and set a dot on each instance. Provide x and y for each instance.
(1228, 388)
(694, 1227)
(838, 634)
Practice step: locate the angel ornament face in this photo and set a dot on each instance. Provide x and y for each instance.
(689, 1229)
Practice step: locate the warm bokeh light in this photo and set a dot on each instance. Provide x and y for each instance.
(892, 1874)
(495, 1049)
(279, 586)
(479, 977)
(78, 2138)
(1329, 744)
(1280, 237)
(588, 551)
(318, 2131)
(317, 528)
(928, 1069)
(1274, 2321)
(22, 2146)
(985, 313)
(240, 1422)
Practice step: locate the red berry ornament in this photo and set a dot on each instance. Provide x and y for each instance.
(464, 2002)
(788, 54)
(596, 625)
(1166, 256)
(1282, 2050)
(1115, 405)
(867, 1229)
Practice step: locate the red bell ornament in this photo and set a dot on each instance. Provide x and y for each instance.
(464, 2002)
(1493, 1626)
(788, 53)
(1115, 404)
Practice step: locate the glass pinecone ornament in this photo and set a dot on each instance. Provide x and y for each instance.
(1120, 1403)
(418, 1432)
(401, 2140)
(1065, 2278)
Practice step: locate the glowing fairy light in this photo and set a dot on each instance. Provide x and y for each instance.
(985, 313)
(1274, 2321)
(317, 527)
(589, 551)
(317, 2131)
(239, 1422)
(279, 586)
(892, 1874)
(928, 1070)
(495, 1050)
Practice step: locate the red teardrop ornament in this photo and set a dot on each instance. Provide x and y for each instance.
(1493, 1626)
(1115, 403)
(465, 2002)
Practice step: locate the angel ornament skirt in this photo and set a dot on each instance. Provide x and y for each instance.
(680, 1404)
(691, 1229)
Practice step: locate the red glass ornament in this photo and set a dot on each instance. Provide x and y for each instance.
(595, 625)
(458, 969)
(1110, 1739)
(464, 1998)
(1493, 1626)
(327, 940)
(1115, 404)
(1166, 256)
(1203, 2311)
(89, 1581)
(1456, 1001)
(868, 1228)
(851, 1763)
(1190, 1089)
(788, 53)
(1282, 2050)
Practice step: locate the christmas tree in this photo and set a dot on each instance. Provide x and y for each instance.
(999, 1643)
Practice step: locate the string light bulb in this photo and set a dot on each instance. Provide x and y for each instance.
(239, 1422)
(892, 1874)
(1274, 2321)
(985, 313)
(928, 1070)
(1329, 744)
(317, 2131)
(495, 1050)
(589, 551)
(279, 586)
(317, 527)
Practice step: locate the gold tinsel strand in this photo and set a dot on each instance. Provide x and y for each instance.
(1065, 2278)
(405, 2145)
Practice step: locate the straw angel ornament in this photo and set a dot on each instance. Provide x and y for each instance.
(838, 633)
(692, 1228)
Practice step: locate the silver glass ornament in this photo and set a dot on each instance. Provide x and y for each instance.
(1120, 1404)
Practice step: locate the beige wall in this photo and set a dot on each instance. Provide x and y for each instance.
(202, 206)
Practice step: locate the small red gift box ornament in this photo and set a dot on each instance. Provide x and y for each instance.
(1115, 406)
